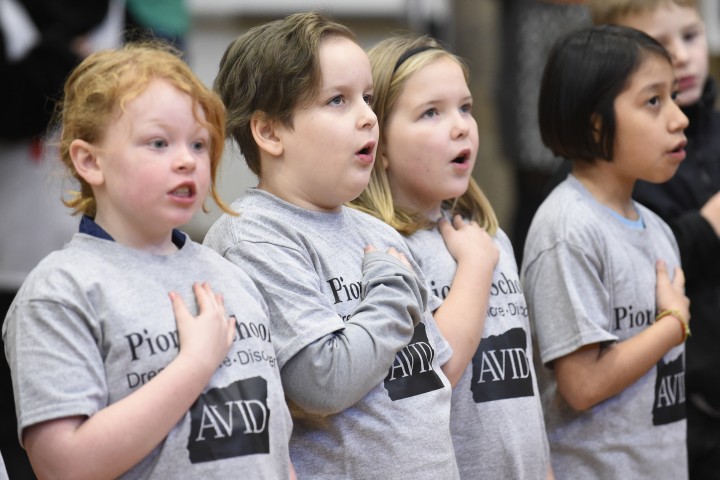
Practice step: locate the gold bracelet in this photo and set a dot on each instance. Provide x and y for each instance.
(685, 326)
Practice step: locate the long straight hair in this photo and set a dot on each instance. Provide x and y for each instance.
(393, 62)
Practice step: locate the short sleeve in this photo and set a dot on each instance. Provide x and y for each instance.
(290, 285)
(58, 370)
(568, 303)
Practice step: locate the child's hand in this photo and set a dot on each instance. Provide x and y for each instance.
(671, 295)
(467, 242)
(391, 251)
(206, 338)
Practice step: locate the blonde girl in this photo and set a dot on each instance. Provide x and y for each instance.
(427, 149)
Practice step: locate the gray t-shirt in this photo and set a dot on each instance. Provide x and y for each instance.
(93, 322)
(496, 418)
(310, 268)
(590, 278)
(3, 472)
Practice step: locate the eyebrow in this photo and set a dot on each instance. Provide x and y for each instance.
(436, 100)
(691, 27)
(653, 87)
(341, 86)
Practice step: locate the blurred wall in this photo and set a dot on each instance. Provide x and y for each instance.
(468, 26)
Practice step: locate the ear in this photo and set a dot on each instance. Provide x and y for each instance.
(265, 133)
(85, 160)
(384, 160)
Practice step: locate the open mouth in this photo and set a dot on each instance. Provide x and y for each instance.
(462, 158)
(365, 154)
(184, 191)
(679, 147)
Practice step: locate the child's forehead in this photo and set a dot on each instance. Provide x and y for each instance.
(155, 98)
(333, 48)
(337, 53)
(342, 65)
(132, 93)
(618, 11)
(661, 19)
(653, 72)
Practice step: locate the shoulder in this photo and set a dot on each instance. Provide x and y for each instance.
(569, 213)
(63, 274)
(81, 253)
(370, 229)
(365, 220)
(259, 219)
(225, 275)
(507, 252)
(569, 220)
(502, 239)
(211, 260)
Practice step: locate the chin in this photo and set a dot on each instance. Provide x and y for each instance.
(688, 98)
(180, 220)
(458, 191)
(353, 193)
(662, 178)
(349, 198)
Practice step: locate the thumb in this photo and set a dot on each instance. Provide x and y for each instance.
(444, 226)
(458, 221)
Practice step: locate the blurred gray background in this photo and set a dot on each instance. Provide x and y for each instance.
(469, 27)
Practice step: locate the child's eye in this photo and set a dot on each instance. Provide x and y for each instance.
(690, 36)
(674, 95)
(368, 98)
(654, 101)
(198, 146)
(467, 108)
(430, 113)
(337, 100)
(158, 143)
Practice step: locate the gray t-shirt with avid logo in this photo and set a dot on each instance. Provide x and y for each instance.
(326, 297)
(93, 323)
(590, 278)
(496, 418)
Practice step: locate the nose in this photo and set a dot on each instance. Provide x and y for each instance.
(461, 125)
(367, 117)
(185, 160)
(678, 120)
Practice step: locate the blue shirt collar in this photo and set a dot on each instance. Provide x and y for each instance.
(89, 227)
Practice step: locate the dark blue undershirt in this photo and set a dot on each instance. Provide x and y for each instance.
(89, 227)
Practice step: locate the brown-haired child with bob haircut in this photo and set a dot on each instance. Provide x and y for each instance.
(601, 272)
(690, 203)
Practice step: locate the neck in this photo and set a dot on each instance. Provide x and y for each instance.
(606, 186)
(160, 244)
(295, 197)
